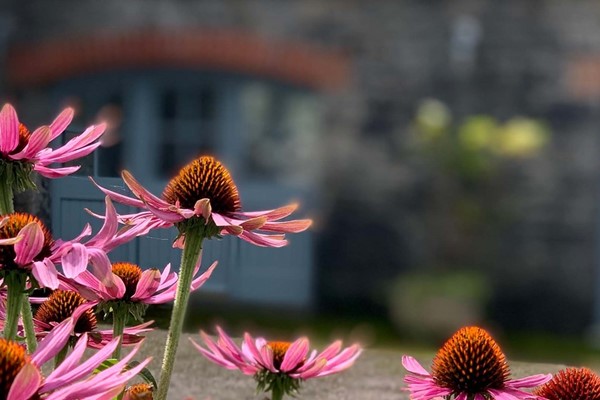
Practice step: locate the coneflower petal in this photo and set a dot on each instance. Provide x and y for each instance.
(9, 129)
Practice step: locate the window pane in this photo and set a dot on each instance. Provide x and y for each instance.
(282, 130)
(109, 155)
(188, 126)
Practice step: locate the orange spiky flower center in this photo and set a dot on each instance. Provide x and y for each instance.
(470, 362)
(10, 228)
(279, 349)
(141, 391)
(130, 274)
(24, 136)
(13, 357)
(571, 384)
(204, 177)
(61, 304)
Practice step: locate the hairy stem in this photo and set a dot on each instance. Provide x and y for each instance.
(6, 199)
(15, 282)
(191, 254)
(119, 320)
(27, 317)
(277, 393)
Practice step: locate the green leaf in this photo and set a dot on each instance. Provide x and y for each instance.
(145, 373)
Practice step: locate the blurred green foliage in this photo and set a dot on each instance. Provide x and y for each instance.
(475, 147)
(430, 304)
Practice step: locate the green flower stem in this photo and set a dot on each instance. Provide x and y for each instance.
(27, 317)
(277, 393)
(120, 315)
(6, 199)
(191, 254)
(15, 282)
(61, 355)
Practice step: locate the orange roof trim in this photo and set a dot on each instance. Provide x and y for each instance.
(222, 50)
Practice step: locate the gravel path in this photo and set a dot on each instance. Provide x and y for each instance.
(377, 375)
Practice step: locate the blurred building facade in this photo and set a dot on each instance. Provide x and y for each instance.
(317, 98)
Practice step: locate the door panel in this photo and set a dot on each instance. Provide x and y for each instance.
(176, 116)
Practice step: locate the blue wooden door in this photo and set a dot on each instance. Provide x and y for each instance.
(163, 121)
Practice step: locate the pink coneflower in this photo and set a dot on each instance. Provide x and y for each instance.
(132, 290)
(26, 247)
(21, 377)
(470, 365)
(29, 149)
(75, 255)
(62, 304)
(571, 384)
(278, 367)
(204, 190)
(134, 285)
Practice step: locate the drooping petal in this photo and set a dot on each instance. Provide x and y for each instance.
(63, 376)
(45, 273)
(101, 266)
(86, 284)
(141, 191)
(26, 383)
(215, 357)
(171, 216)
(9, 129)
(129, 201)
(272, 215)
(331, 350)
(104, 375)
(103, 384)
(110, 226)
(169, 293)
(253, 223)
(88, 136)
(342, 361)
(75, 260)
(228, 346)
(130, 337)
(412, 365)
(71, 361)
(250, 349)
(147, 285)
(31, 244)
(295, 354)
(70, 156)
(165, 273)
(53, 173)
(54, 341)
(295, 226)
(263, 240)
(61, 122)
(529, 381)
(314, 370)
(196, 283)
(266, 354)
(37, 141)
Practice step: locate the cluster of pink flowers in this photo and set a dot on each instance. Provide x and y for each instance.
(202, 202)
(83, 280)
